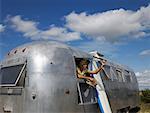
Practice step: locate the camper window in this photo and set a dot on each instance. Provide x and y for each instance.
(12, 75)
(108, 72)
(133, 77)
(113, 73)
(86, 93)
(119, 75)
(104, 76)
(127, 76)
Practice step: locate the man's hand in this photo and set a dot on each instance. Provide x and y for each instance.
(103, 62)
(91, 79)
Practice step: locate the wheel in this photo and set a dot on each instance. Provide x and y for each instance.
(134, 110)
(124, 110)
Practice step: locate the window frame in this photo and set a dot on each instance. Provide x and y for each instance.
(108, 74)
(129, 75)
(18, 77)
(113, 74)
(119, 75)
(82, 81)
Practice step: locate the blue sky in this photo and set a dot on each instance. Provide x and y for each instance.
(119, 29)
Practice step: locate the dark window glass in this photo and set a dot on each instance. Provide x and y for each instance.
(9, 76)
(86, 94)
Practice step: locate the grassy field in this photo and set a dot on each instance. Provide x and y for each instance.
(145, 101)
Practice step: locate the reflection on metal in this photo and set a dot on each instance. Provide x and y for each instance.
(48, 82)
(8, 106)
(39, 62)
(8, 109)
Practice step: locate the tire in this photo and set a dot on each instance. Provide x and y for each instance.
(134, 110)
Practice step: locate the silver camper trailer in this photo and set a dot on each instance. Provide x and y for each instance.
(40, 77)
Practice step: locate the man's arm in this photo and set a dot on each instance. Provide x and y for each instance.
(80, 75)
(85, 77)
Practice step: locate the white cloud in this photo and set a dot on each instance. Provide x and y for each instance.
(30, 30)
(143, 79)
(145, 53)
(60, 33)
(2, 28)
(111, 25)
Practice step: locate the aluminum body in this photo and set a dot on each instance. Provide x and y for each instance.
(51, 84)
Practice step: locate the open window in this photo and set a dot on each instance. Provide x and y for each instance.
(113, 73)
(119, 75)
(127, 76)
(105, 73)
(86, 93)
(13, 76)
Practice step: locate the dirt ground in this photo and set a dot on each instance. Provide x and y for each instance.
(145, 108)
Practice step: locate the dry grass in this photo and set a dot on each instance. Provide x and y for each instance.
(145, 108)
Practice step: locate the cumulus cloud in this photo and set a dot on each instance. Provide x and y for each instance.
(30, 30)
(145, 53)
(2, 28)
(61, 34)
(111, 25)
(143, 79)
